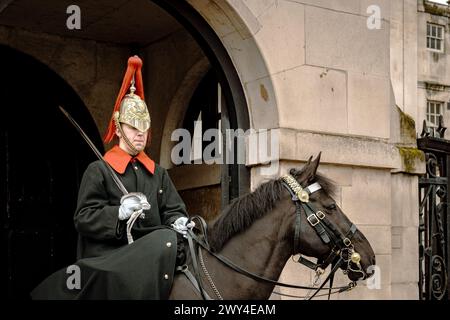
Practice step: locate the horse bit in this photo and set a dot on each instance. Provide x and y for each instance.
(342, 252)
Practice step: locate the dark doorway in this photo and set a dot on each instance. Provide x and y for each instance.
(42, 161)
(235, 176)
(206, 110)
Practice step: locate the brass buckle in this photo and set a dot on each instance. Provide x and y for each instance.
(347, 242)
(320, 215)
(310, 218)
(303, 196)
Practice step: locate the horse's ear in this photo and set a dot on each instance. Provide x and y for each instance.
(312, 167)
(316, 162)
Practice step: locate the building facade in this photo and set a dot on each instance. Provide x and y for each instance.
(338, 77)
(433, 45)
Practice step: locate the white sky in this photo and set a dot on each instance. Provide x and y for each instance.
(439, 1)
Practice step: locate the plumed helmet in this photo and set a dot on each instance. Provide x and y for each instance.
(133, 111)
(130, 108)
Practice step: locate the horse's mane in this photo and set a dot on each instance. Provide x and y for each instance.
(242, 211)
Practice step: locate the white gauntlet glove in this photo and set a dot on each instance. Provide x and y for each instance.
(180, 225)
(132, 202)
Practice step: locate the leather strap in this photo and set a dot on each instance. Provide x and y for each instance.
(323, 227)
(320, 230)
(331, 274)
(298, 212)
(244, 272)
(195, 266)
(191, 278)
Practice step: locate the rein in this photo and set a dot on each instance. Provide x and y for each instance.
(191, 235)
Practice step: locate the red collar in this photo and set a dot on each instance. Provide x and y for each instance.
(119, 159)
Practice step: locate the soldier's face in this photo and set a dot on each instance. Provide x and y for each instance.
(136, 137)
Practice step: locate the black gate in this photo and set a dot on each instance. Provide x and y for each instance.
(434, 218)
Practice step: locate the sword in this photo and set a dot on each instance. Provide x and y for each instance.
(116, 179)
(113, 174)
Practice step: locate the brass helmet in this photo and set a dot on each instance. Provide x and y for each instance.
(130, 108)
(133, 111)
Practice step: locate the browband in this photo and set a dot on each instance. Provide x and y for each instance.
(301, 193)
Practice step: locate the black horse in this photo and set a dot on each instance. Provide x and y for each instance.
(260, 231)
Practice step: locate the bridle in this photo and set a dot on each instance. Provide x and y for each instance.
(342, 250)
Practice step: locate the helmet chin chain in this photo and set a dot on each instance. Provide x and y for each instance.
(127, 141)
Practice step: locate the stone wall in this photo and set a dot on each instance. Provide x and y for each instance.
(93, 69)
(403, 46)
(316, 72)
(173, 68)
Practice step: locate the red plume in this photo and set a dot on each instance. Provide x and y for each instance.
(133, 69)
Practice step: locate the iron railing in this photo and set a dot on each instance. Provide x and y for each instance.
(434, 218)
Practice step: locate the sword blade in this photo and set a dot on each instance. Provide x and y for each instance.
(113, 174)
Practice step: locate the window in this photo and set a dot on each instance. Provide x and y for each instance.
(434, 110)
(435, 37)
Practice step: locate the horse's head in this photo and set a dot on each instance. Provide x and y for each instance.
(321, 228)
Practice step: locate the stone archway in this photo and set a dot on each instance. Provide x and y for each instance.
(230, 44)
(224, 30)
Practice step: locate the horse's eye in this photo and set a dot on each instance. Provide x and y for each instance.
(331, 206)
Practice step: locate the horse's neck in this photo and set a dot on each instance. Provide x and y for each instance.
(262, 250)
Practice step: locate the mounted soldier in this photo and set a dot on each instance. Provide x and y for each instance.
(103, 210)
(124, 197)
(239, 255)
